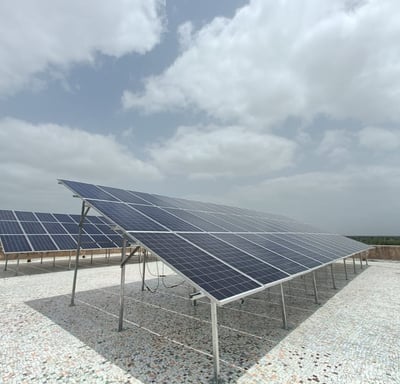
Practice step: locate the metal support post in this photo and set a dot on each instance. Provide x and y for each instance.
(84, 212)
(54, 261)
(91, 257)
(214, 325)
(41, 259)
(361, 264)
(69, 259)
(284, 317)
(354, 265)
(144, 267)
(16, 271)
(366, 258)
(315, 288)
(333, 278)
(5, 266)
(345, 268)
(122, 288)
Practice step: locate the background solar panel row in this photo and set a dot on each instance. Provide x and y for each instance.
(226, 251)
(22, 231)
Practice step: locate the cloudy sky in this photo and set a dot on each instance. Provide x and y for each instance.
(284, 106)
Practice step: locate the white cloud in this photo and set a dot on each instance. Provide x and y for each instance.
(355, 200)
(336, 144)
(276, 59)
(379, 139)
(36, 36)
(222, 152)
(32, 157)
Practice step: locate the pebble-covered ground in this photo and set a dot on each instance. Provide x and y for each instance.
(352, 337)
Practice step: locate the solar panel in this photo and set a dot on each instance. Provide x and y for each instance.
(41, 232)
(10, 228)
(125, 216)
(7, 215)
(15, 243)
(45, 217)
(25, 216)
(205, 271)
(42, 243)
(227, 252)
(253, 267)
(32, 227)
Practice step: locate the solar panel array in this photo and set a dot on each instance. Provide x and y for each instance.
(22, 231)
(227, 252)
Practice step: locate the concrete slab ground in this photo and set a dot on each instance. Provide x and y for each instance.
(352, 337)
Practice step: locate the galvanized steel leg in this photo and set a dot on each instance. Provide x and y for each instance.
(354, 265)
(91, 257)
(315, 288)
(122, 288)
(69, 259)
(345, 268)
(214, 325)
(78, 249)
(366, 258)
(361, 264)
(54, 261)
(333, 278)
(16, 271)
(284, 317)
(144, 267)
(5, 266)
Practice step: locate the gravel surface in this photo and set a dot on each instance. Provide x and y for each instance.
(352, 337)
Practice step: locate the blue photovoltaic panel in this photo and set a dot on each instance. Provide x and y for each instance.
(94, 220)
(45, 217)
(173, 223)
(318, 253)
(42, 243)
(88, 191)
(289, 253)
(125, 216)
(25, 216)
(54, 228)
(286, 265)
(10, 228)
(103, 241)
(73, 229)
(124, 196)
(211, 275)
(105, 229)
(156, 200)
(196, 221)
(91, 229)
(64, 242)
(15, 243)
(7, 215)
(32, 228)
(63, 218)
(76, 218)
(250, 266)
(86, 241)
(217, 220)
(117, 239)
(192, 236)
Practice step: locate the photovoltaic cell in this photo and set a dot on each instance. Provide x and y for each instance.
(103, 241)
(15, 243)
(91, 229)
(45, 217)
(170, 221)
(10, 228)
(64, 242)
(88, 191)
(125, 216)
(54, 228)
(105, 229)
(63, 218)
(124, 196)
(94, 220)
(196, 221)
(286, 265)
(212, 218)
(31, 228)
(210, 274)
(42, 243)
(236, 258)
(72, 229)
(25, 216)
(7, 215)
